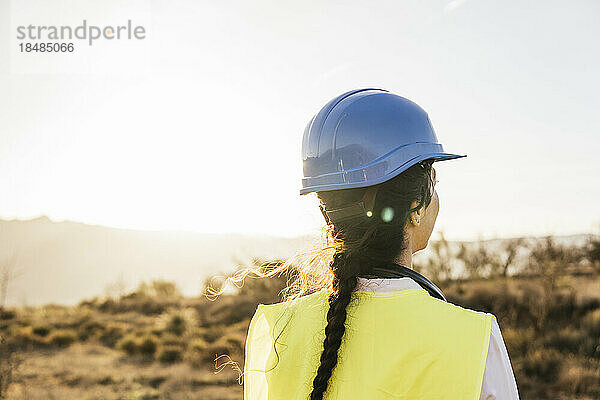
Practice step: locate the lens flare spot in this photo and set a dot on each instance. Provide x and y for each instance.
(369, 213)
(387, 214)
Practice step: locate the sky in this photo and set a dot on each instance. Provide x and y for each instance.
(198, 126)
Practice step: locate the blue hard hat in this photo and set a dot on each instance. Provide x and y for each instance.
(365, 137)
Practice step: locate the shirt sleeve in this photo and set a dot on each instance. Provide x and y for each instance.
(498, 378)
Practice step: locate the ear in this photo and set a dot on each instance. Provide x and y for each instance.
(414, 217)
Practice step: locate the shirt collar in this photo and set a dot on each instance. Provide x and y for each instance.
(386, 284)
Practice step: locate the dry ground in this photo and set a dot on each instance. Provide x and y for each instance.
(93, 371)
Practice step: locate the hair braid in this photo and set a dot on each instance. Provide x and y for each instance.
(344, 283)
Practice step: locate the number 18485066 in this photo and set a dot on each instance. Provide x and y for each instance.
(46, 47)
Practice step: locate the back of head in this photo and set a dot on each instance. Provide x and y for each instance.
(379, 234)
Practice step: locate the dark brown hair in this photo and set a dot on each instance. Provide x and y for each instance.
(363, 243)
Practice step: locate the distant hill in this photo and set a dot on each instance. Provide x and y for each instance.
(64, 262)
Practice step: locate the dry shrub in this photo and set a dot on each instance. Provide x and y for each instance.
(24, 339)
(177, 321)
(169, 339)
(9, 362)
(131, 303)
(543, 365)
(128, 344)
(591, 323)
(566, 340)
(234, 342)
(154, 381)
(213, 332)
(145, 345)
(579, 380)
(112, 334)
(518, 341)
(196, 352)
(62, 337)
(41, 330)
(89, 329)
(563, 307)
(508, 303)
(170, 354)
(229, 310)
(7, 314)
(229, 344)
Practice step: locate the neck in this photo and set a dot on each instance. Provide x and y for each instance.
(405, 258)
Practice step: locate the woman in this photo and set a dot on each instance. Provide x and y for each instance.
(362, 324)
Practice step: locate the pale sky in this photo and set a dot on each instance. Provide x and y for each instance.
(199, 126)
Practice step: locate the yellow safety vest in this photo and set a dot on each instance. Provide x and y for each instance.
(400, 345)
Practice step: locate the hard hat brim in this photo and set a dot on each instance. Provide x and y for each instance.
(360, 176)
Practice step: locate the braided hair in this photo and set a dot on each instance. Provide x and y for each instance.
(363, 242)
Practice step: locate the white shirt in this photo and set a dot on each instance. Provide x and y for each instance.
(498, 378)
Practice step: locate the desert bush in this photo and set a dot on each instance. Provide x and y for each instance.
(153, 381)
(518, 341)
(41, 330)
(477, 259)
(176, 324)
(592, 251)
(161, 288)
(591, 323)
(505, 260)
(196, 352)
(177, 321)
(261, 290)
(144, 345)
(9, 362)
(146, 305)
(440, 264)
(587, 305)
(197, 344)
(480, 260)
(580, 380)
(230, 310)
(62, 337)
(566, 340)
(169, 339)
(563, 307)
(170, 354)
(147, 345)
(6, 314)
(108, 305)
(233, 341)
(548, 259)
(215, 350)
(543, 365)
(228, 344)
(112, 334)
(508, 304)
(128, 344)
(89, 329)
(213, 332)
(24, 338)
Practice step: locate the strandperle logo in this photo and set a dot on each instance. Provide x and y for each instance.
(83, 32)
